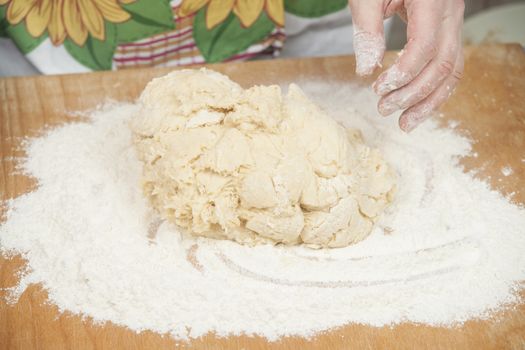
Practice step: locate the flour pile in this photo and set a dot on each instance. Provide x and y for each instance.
(448, 248)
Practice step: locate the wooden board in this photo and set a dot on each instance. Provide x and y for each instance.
(489, 104)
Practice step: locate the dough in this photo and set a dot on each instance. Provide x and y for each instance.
(255, 166)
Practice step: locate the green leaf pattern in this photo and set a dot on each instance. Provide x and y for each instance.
(95, 54)
(147, 18)
(3, 22)
(314, 8)
(229, 37)
(18, 33)
(151, 17)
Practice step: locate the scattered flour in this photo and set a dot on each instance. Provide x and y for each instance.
(448, 249)
(506, 171)
(452, 124)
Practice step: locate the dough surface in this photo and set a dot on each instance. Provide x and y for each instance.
(254, 166)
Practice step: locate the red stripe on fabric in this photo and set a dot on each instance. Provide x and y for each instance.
(177, 35)
(178, 19)
(243, 56)
(148, 58)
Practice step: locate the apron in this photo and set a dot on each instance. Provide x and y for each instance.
(66, 36)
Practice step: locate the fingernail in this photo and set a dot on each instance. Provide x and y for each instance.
(369, 49)
(384, 88)
(387, 108)
(413, 119)
(389, 81)
(411, 123)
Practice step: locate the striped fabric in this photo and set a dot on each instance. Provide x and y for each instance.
(177, 48)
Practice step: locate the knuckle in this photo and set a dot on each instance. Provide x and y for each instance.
(360, 35)
(429, 49)
(422, 47)
(411, 98)
(420, 53)
(368, 37)
(445, 67)
(458, 75)
(409, 75)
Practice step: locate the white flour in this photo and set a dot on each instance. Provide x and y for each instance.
(506, 171)
(448, 250)
(369, 50)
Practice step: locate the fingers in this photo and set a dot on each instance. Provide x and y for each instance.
(369, 40)
(424, 18)
(396, 6)
(430, 66)
(432, 75)
(419, 112)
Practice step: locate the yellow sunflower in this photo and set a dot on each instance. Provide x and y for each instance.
(66, 18)
(246, 10)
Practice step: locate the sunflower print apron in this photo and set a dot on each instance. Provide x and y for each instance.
(64, 36)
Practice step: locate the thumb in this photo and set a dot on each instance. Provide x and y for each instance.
(369, 39)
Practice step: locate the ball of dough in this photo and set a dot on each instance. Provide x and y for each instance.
(255, 166)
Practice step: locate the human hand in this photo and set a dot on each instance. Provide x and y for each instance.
(429, 66)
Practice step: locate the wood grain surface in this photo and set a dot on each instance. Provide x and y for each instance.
(489, 105)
